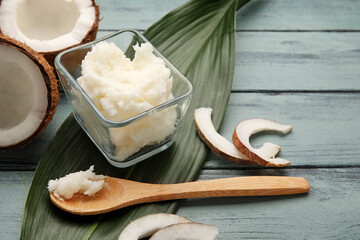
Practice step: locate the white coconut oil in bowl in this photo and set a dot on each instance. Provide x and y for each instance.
(125, 95)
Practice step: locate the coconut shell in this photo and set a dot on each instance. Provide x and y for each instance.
(251, 155)
(219, 152)
(50, 80)
(90, 36)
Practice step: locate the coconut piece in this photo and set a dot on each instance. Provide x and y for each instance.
(217, 143)
(85, 182)
(28, 93)
(47, 26)
(184, 231)
(148, 225)
(266, 154)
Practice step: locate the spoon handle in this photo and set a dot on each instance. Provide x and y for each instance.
(237, 186)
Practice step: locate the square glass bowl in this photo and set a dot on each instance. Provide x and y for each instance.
(100, 129)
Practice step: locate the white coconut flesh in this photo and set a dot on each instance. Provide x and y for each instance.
(268, 151)
(187, 231)
(212, 138)
(23, 96)
(47, 25)
(148, 225)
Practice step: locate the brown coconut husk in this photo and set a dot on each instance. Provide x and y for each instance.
(90, 36)
(50, 80)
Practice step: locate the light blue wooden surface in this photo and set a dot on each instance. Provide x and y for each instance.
(297, 62)
(259, 15)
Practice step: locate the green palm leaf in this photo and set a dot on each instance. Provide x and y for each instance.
(199, 39)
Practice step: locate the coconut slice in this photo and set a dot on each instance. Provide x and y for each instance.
(148, 225)
(187, 231)
(217, 143)
(266, 154)
(28, 93)
(49, 26)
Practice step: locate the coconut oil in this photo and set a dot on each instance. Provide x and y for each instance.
(85, 182)
(122, 88)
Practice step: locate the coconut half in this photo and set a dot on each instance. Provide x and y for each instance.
(28, 93)
(266, 154)
(49, 26)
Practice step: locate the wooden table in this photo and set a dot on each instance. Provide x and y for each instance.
(297, 62)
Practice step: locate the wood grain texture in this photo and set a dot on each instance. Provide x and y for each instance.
(297, 61)
(135, 14)
(257, 15)
(329, 211)
(310, 15)
(14, 187)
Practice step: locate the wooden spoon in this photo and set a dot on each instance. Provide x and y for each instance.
(118, 193)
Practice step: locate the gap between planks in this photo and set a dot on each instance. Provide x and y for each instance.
(255, 167)
(270, 91)
(268, 30)
(274, 91)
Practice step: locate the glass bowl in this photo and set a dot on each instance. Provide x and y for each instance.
(100, 129)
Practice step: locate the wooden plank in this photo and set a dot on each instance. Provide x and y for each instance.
(295, 61)
(257, 15)
(326, 128)
(14, 187)
(299, 15)
(329, 211)
(317, 138)
(139, 14)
